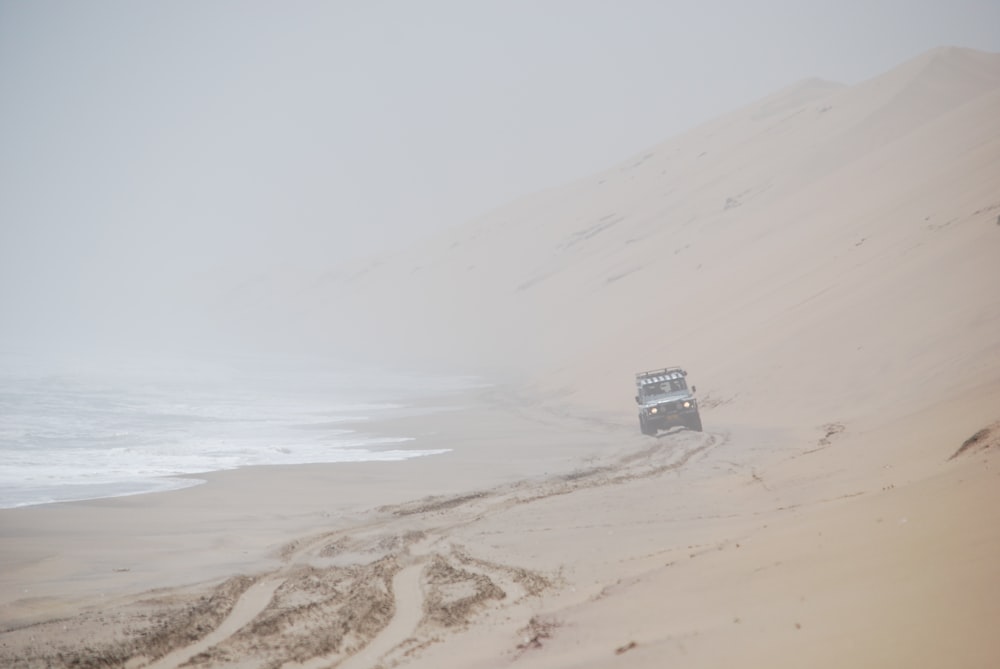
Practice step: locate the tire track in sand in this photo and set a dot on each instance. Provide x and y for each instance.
(247, 607)
(409, 596)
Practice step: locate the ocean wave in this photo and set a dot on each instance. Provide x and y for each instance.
(72, 436)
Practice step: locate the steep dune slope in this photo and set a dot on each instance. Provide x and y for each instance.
(832, 245)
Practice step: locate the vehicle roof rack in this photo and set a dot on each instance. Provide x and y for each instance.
(656, 375)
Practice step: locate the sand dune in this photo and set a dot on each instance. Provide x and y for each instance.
(725, 226)
(824, 262)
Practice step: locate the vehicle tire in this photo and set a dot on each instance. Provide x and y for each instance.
(646, 429)
(694, 423)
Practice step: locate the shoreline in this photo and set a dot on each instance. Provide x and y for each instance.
(377, 433)
(279, 501)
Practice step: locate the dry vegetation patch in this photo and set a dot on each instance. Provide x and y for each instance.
(314, 613)
(984, 439)
(536, 632)
(111, 638)
(455, 593)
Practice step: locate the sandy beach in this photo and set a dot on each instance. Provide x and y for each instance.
(743, 545)
(825, 265)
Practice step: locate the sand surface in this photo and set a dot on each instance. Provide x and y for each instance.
(729, 545)
(825, 262)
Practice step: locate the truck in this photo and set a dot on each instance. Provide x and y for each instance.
(665, 401)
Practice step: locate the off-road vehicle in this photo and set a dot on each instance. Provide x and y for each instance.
(665, 401)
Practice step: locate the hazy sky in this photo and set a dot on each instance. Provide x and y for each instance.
(150, 145)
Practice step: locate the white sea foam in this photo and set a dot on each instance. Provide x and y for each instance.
(72, 434)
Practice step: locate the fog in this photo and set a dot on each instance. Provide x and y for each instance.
(153, 156)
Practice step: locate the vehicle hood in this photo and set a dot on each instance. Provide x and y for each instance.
(667, 399)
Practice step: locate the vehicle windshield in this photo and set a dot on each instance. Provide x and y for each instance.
(659, 389)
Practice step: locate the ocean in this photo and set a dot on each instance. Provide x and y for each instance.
(74, 430)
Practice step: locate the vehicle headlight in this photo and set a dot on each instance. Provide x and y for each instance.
(687, 405)
(653, 410)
